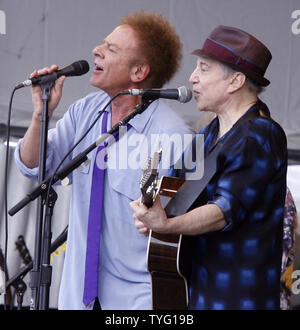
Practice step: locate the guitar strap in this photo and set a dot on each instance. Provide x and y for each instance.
(190, 190)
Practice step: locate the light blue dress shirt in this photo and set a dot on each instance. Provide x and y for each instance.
(124, 282)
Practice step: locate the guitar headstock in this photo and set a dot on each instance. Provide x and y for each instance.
(148, 182)
(23, 250)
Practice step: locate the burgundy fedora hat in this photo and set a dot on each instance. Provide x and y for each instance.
(240, 50)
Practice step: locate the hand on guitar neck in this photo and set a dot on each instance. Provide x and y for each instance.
(146, 219)
(148, 211)
(139, 225)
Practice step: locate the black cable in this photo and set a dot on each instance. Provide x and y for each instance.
(6, 191)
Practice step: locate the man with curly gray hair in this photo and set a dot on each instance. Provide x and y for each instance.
(106, 258)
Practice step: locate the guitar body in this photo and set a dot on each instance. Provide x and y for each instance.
(169, 281)
(167, 261)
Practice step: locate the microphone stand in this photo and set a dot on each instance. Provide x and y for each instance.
(43, 274)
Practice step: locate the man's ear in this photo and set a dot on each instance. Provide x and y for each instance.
(237, 81)
(140, 72)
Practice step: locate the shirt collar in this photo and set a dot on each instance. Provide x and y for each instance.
(210, 132)
(140, 120)
(260, 107)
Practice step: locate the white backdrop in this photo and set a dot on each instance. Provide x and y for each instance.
(35, 33)
(42, 32)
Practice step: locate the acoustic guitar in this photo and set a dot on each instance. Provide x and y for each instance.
(166, 256)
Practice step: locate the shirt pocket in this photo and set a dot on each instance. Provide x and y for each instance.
(124, 186)
(126, 183)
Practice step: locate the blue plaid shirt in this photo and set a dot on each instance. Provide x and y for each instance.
(238, 267)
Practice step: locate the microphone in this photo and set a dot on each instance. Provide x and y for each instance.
(75, 69)
(181, 94)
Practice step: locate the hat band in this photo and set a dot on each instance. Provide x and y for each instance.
(226, 54)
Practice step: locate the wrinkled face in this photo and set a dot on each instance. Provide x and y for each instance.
(114, 60)
(209, 86)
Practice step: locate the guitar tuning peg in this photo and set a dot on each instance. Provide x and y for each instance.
(147, 163)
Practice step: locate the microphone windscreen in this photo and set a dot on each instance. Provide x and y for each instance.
(80, 67)
(185, 94)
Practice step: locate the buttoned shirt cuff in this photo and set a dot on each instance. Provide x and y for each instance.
(31, 173)
(225, 207)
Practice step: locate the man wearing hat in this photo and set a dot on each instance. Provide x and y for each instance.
(236, 225)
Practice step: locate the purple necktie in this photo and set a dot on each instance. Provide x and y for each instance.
(94, 224)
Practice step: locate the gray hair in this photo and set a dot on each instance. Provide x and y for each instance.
(250, 84)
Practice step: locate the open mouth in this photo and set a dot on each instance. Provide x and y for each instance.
(196, 94)
(98, 68)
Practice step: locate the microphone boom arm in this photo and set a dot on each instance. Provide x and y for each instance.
(75, 162)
